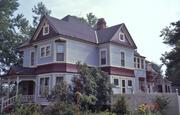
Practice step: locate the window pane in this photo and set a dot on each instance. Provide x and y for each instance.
(122, 59)
(138, 63)
(123, 83)
(116, 82)
(103, 57)
(130, 83)
(123, 90)
(59, 56)
(42, 52)
(60, 48)
(48, 51)
(142, 64)
(59, 79)
(32, 58)
(46, 81)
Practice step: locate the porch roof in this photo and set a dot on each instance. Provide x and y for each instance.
(17, 70)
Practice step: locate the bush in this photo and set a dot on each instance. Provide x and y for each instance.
(120, 107)
(162, 102)
(60, 108)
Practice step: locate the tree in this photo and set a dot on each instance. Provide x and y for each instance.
(90, 19)
(12, 33)
(94, 86)
(171, 37)
(39, 10)
(103, 89)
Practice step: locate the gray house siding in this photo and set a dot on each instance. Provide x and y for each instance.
(115, 56)
(26, 56)
(83, 52)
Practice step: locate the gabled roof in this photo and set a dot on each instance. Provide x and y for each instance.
(71, 26)
(105, 35)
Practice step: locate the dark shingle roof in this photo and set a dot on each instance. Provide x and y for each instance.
(72, 26)
(106, 34)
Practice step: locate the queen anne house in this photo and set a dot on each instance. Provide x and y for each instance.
(57, 45)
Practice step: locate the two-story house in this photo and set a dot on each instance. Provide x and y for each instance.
(57, 45)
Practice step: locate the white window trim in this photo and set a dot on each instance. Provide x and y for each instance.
(120, 33)
(45, 46)
(55, 51)
(116, 86)
(103, 49)
(46, 25)
(124, 59)
(45, 76)
(34, 59)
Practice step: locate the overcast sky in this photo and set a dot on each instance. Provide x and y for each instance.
(143, 18)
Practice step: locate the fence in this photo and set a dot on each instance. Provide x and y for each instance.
(134, 100)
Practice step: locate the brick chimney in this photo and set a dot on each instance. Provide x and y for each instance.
(101, 24)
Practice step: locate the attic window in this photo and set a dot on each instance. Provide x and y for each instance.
(121, 37)
(45, 29)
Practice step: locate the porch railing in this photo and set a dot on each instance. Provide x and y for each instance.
(7, 102)
(10, 101)
(27, 98)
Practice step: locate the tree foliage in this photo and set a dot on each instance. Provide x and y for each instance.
(14, 30)
(39, 10)
(90, 19)
(171, 37)
(94, 85)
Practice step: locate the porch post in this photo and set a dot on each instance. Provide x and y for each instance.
(8, 88)
(2, 99)
(17, 86)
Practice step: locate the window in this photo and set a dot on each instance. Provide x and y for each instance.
(122, 59)
(46, 51)
(123, 86)
(135, 63)
(59, 79)
(45, 29)
(116, 82)
(60, 49)
(129, 83)
(103, 57)
(121, 37)
(43, 52)
(142, 64)
(44, 86)
(32, 58)
(138, 63)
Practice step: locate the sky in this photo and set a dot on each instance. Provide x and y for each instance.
(144, 18)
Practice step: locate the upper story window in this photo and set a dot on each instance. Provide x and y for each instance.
(135, 62)
(122, 59)
(60, 52)
(121, 36)
(142, 63)
(32, 58)
(103, 57)
(45, 51)
(45, 29)
(139, 63)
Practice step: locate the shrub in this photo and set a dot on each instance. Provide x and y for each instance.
(162, 102)
(121, 106)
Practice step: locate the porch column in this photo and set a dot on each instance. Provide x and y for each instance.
(17, 85)
(8, 88)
